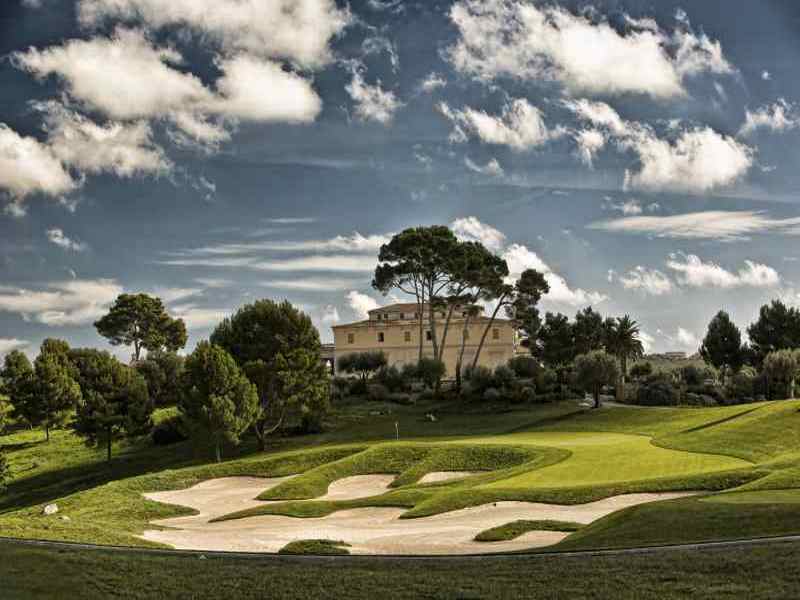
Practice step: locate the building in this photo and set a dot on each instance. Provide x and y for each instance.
(395, 331)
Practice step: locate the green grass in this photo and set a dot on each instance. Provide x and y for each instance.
(513, 530)
(758, 573)
(316, 548)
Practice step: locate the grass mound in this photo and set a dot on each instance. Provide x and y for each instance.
(511, 531)
(316, 547)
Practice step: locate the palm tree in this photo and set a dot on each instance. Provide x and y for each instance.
(623, 341)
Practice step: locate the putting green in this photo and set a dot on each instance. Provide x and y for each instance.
(604, 458)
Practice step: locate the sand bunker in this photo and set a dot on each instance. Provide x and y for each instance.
(367, 530)
(440, 476)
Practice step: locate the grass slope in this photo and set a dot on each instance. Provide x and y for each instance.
(513, 530)
(316, 548)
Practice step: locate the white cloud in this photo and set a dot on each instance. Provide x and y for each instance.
(686, 338)
(330, 315)
(8, 345)
(492, 167)
(354, 242)
(648, 281)
(125, 149)
(590, 142)
(647, 341)
(296, 30)
(311, 284)
(61, 304)
(626, 207)
(766, 75)
(693, 272)
(372, 102)
(696, 160)
(330, 262)
(432, 82)
(361, 304)
(27, 167)
(198, 318)
(780, 117)
(471, 229)
(520, 125)
(56, 236)
(714, 224)
(520, 258)
(512, 38)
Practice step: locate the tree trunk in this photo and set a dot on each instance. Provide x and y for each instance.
(218, 451)
(421, 313)
(108, 445)
(623, 361)
(432, 323)
(596, 397)
(445, 331)
(460, 360)
(486, 331)
(47, 432)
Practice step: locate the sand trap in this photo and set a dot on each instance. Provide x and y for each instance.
(440, 476)
(358, 486)
(367, 530)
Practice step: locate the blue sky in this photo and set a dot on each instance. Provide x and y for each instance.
(219, 151)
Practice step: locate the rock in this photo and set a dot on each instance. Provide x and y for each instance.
(50, 509)
(65, 518)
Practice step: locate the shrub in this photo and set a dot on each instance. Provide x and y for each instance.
(430, 371)
(547, 381)
(641, 371)
(363, 364)
(492, 395)
(391, 378)
(657, 390)
(525, 394)
(377, 392)
(503, 377)
(524, 367)
(169, 431)
(479, 379)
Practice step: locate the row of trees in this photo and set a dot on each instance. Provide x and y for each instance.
(260, 369)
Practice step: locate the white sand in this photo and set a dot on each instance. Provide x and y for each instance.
(367, 530)
(439, 476)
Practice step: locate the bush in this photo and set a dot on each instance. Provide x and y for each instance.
(657, 390)
(169, 431)
(525, 394)
(504, 377)
(430, 371)
(391, 378)
(492, 395)
(363, 364)
(377, 392)
(479, 379)
(641, 371)
(547, 382)
(524, 367)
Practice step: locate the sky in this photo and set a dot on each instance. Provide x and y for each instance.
(643, 155)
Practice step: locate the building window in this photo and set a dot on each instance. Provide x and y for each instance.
(407, 336)
(495, 334)
(380, 337)
(351, 338)
(402, 316)
(386, 317)
(379, 317)
(428, 336)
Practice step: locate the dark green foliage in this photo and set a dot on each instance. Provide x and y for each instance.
(741, 387)
(17, 382)
(257, 336)
(217, 399)
(657, 390)
(316, 548)
(555, 345)
(622, 340)
(524, 306)
(392, 379)
(777, 328)
(303, 384)
(504, 377)
(170, 431)
(780, 368)
(163, 372)
(114, 399)
(722, 346)
(641, 371)
(5, 411)
(363, 364)
(141, 321)
(525, 367)
(430, 371)
(588, 331)
(56, 393)
(595, 370)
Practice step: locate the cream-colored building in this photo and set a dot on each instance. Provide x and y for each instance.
(395, 331)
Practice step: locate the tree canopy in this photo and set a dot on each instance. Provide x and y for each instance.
(722, 345)
(218, 399)
(595, 370)
(16, 382)
(55, 393)
(141, 321)
(777, 328)
(362, 363)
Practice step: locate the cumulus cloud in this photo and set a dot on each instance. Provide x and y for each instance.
(694, 272)
(354, 242)
(149, 85)
(589, 143)
(372, 102)
(492, 167)
(199, 318)
(723, 225)
(28, 166)
(471, 229)
(520, 258)
(125, 149)
(361, 304)
(61, 304)
(299, 31)
(647, 281)
(56, 236)
(330, 315)
(520, 125)
(626, 207)
(10, 344)
(433, 81)
(779, 117)
(686, 338)
(513, 38)
(312, 284)
(694, 160)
